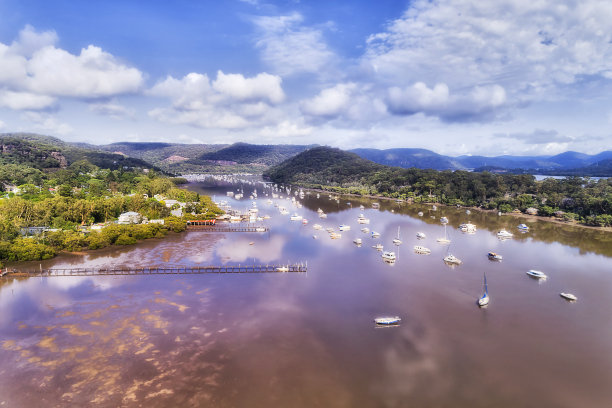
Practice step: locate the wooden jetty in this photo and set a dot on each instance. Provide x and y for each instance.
(227, 228)
(193, 270)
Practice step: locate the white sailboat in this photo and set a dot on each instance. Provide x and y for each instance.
(484, 299)
(444, 240)
(397, 240)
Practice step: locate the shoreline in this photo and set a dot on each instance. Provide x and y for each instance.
(521, 215)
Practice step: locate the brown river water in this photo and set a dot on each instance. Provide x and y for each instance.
(309, 340)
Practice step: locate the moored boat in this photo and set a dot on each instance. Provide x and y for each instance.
(452, 259)
(494, 256)
(536, 274)
(484, 299)
(357, 241)
(421, 235)
(421, 249)
(568, 296)
(387, 320)
(388, 256)
(503, 234)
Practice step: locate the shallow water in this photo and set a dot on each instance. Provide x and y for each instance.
(305, 340)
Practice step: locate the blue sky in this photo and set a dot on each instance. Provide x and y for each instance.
(455, 76)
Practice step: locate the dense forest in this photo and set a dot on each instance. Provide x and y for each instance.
(573, 198)
(49, 185)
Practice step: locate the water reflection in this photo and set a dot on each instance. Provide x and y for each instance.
(308, 340)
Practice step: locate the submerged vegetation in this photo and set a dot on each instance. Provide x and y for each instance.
(574, 198)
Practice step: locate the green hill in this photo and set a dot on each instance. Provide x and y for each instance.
(323, 165)
(245, 153)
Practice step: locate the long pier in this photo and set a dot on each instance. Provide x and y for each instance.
(227, 228)
(194, 270)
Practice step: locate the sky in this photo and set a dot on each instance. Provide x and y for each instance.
(522, 77)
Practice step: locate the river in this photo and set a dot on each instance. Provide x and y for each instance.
(306, 340)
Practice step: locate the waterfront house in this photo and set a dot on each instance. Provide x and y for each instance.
(130, 217)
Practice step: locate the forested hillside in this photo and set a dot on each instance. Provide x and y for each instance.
(588, 201)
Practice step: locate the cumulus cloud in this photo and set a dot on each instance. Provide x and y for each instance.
(478, 103)
(46, 122)
(111, 109)
(286, 128)
(35, 72)
(329, 102)
(290, 48)
(538, 136)
(527, 49)
(231, 101)
(25, 100)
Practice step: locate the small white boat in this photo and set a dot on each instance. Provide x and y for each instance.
(536, 274)
(388, 256)
(378, 247)
(335, 235)
(357, 241)
(330, 230)
(420, 235)
(568, 296)
(317, 226)
(365, 230)
(420, 213)
(295, 217)
(318, 195)
(468, 212)
(304, 221)
(452, 259)
(484, 299)
(397, 240)
(344, 227)
(503, 234)
(375, 234)
(363, 220)
(315, 236)
(387, 320)
(445, 239)
(322, 215)
(467, 227)
(361, 207)
(433, 207)
(444, 220)
(523, 227)
(283, 269)
(260, 229)
(421, 249)
(319, 211)
(494, 256)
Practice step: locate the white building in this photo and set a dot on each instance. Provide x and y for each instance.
(130, 217)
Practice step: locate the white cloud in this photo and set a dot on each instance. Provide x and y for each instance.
(2, 124)
(261, 87)
(286, 128)
(232, 101)
(34, 72)
(330, 102)
(491, 53)
(25, 100)
(111, 109)
(46, 122)
(290, 48)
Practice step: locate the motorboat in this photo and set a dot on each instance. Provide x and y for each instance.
(375, 234)
(363, 220)
(304, 221)
(467, 227)
(420, 213)
(484, 299)
(378, 247)
(494, 256)
(260, 229)
(468, 212)
(397, 240)
(452, 259)
(420, 235)
(503, 234)
(357, 241)
(536, 274)
(317, 226)
(365, 230)
(568, 296)
(444, 220)
(387, 320)
(388, 256)
(523, 228)
(335, 235)
(421, 249)
(344, 227)
(330, 230)
(295, 217)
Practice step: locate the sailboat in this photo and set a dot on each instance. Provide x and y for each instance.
(484, 299)
(397, 240)
(444, 240)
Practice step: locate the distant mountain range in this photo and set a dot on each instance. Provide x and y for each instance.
(244, 157)
(568, 162)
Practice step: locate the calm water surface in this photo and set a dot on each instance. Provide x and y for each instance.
(308, 340)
